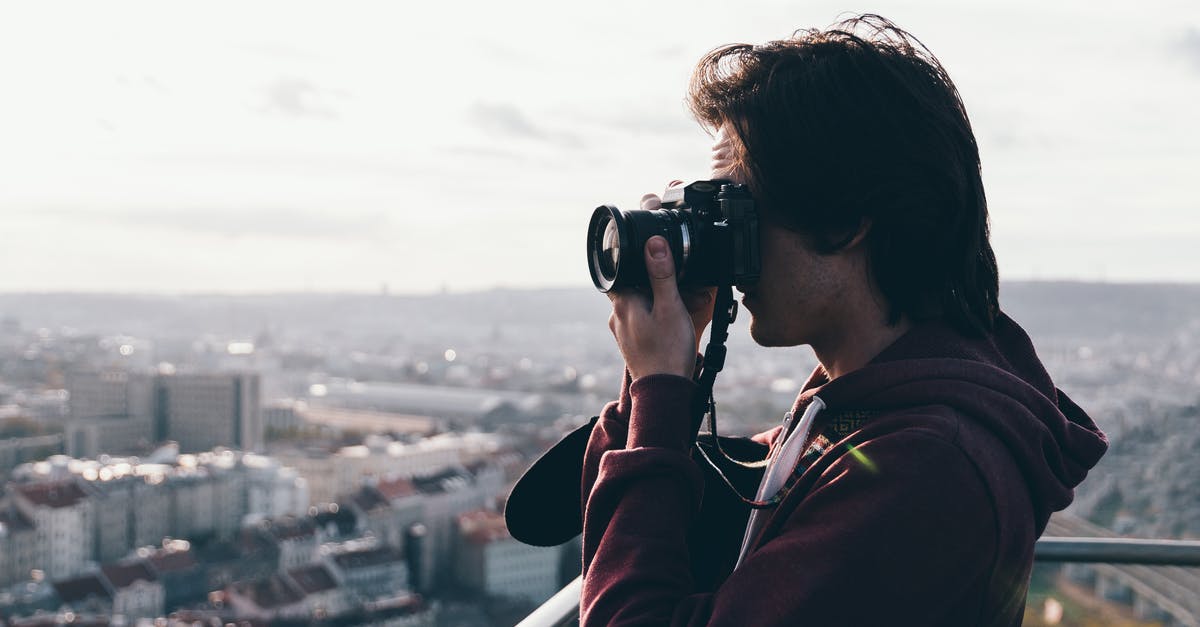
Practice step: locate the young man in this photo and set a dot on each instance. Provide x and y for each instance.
(925, 454)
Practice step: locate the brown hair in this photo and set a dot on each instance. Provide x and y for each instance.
(859, 126)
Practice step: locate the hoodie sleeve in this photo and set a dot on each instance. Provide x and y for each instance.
(901, 525)
(609, 434)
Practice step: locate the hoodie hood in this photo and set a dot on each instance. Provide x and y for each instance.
(998, 382)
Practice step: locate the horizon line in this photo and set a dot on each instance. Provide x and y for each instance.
(497, 288)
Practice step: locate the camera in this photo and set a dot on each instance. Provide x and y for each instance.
(711, 228)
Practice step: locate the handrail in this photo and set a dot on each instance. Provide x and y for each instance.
(1118, 551)
(559, 609)
(563, 608)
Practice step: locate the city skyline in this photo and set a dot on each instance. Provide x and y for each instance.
(318, 147)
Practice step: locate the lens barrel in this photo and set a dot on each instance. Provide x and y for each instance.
(617, 239)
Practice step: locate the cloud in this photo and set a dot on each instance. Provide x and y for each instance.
(652, 123)
(276, 223)
(509, 122)
(1189, 47)
(301, 98)
(506, 120)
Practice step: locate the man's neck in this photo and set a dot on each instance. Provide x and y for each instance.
(854, 345)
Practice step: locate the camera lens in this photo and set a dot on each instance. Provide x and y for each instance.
(610, 249)
(607, 232)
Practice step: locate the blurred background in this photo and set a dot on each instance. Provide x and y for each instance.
(291, 292)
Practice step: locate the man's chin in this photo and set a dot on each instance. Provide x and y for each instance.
(762, 335)
(769, 336)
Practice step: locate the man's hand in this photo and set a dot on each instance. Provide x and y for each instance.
(655, 332)
(698, 300)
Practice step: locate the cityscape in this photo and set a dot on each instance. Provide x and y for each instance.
(344, 458)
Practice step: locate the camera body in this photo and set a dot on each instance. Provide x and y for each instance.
(711, 227)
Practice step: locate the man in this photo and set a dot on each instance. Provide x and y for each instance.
(925, 454)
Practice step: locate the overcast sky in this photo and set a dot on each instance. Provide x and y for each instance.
(255, 146)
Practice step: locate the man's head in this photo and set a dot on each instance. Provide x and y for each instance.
(855, 139)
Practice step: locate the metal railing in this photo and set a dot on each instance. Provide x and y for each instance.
(562, 609)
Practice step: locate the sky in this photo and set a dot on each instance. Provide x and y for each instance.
(173, 147)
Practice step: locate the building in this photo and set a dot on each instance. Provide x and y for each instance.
(181, 576)
(115, 512)
(85, 594)
(206, 411)
(62, 516)
(118, 412)
(18, 544)
(111, 411)
(297, 538)
(446, 495)
(273, 489)
(332, 474)
(371, 572)
(283, 415)
(308, 593)
(491, 562)
(15, 451)
(133, 504)
(135, 589)
(323, 597)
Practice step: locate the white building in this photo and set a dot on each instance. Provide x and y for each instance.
(331, 475)
(62, 514)
(490, 561)
(273, 489)
(18, 543)
(133, 504)
(370, 572)
(446, 495)
(136, 590)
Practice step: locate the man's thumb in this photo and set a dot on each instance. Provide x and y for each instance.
(659, 266)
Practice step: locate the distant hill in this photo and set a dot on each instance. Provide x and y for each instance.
(1045, 309)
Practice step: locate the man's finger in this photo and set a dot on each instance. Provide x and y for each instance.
(651, 202)
(660, 267)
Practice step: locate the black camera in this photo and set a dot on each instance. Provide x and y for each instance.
(710, 226)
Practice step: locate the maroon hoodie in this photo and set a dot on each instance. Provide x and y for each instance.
(927, 478)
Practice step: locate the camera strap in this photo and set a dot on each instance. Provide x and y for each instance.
(724, 313)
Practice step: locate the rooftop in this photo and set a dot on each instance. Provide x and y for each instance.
(54, 494)
(369, 499)
(125, 575)
(445, 481)
(367, 558)
(171, 560)
(80, 589)
(393, 489)
(271, 593)
(313, 579)
(483, 526)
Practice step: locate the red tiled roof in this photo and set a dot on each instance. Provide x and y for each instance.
(483, 526)
(369, 499)
(54, 494)
(124, 575)
(80, 589)
(165, 561)
(393, 489)
(313, 579)
(271, 593)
